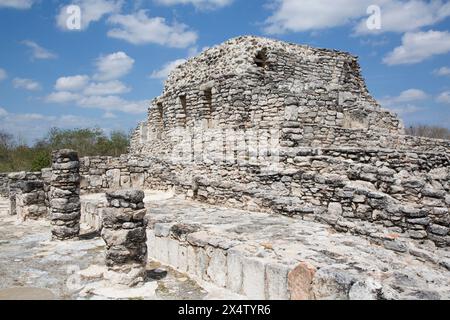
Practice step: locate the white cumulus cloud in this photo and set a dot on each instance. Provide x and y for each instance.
(27, 84)
(200, 4)
(164, 72)
(16, 4)
(62, 97)
(443, 71)
(396, 15)
(404, 103)
(308, 15)
(38, 52)
(106, 88)
(138, 28)
(103, 91)
(404, 16)
(444, 97)
(404, 96)
(91, 11)
(109, 115)
(411, 95)
(114, 103)
(113, 66)
(72, 83)
(3, 112)
(3, 74)
(419, 46)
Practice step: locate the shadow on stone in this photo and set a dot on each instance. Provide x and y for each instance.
(155, 274)
(89, 235)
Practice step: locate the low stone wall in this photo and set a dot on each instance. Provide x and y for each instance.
(100, 173)
(224, 267)
(360, 190)
(26, 194)
(30, 200)
(91, 211)
(354, 190)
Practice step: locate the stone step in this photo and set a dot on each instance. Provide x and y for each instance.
(262, 256)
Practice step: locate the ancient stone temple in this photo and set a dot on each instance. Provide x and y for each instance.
(265, 125)
(316, 96)
(270, 171)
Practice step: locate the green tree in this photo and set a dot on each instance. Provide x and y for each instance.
(16, 156)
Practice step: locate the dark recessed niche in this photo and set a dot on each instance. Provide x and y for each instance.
(261, 58)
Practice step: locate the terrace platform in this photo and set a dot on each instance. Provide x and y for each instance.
(199, 251)
(263, 256)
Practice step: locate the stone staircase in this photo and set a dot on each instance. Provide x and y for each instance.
(4, 206)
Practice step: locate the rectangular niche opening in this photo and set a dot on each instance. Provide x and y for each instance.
(261, 59)
(209, 106)
(161, 114)
(183, 102)
(159, 105)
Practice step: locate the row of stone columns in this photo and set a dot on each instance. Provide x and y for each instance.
(124, 223)
(56, 191)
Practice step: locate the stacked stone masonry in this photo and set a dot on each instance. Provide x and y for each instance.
(125, 234)
(26, 195)
(342, 160)
(65, 195)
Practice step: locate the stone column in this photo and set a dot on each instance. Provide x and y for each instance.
(124, 232)
(13, 186)
(65, 195)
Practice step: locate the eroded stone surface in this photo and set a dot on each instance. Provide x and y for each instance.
(64, 195)
(31, 264)
(124, 232)
(322, 263)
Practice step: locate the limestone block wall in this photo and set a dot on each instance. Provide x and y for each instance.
(30, 200)
(92, 211)
(100, 173)
(20, 184)
(221, 265)
(251, 82)
(388, 191)
(368, 191)
(294, 134)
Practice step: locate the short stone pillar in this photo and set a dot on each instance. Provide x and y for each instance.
(30, 200)
(13, 188)
(124, 232)
(65, 195)
(28, 184)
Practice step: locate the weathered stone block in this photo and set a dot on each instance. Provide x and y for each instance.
(253, 283)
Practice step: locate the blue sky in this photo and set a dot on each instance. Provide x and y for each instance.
(104, 73)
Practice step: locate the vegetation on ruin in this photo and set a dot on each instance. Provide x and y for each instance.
(16, 155)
